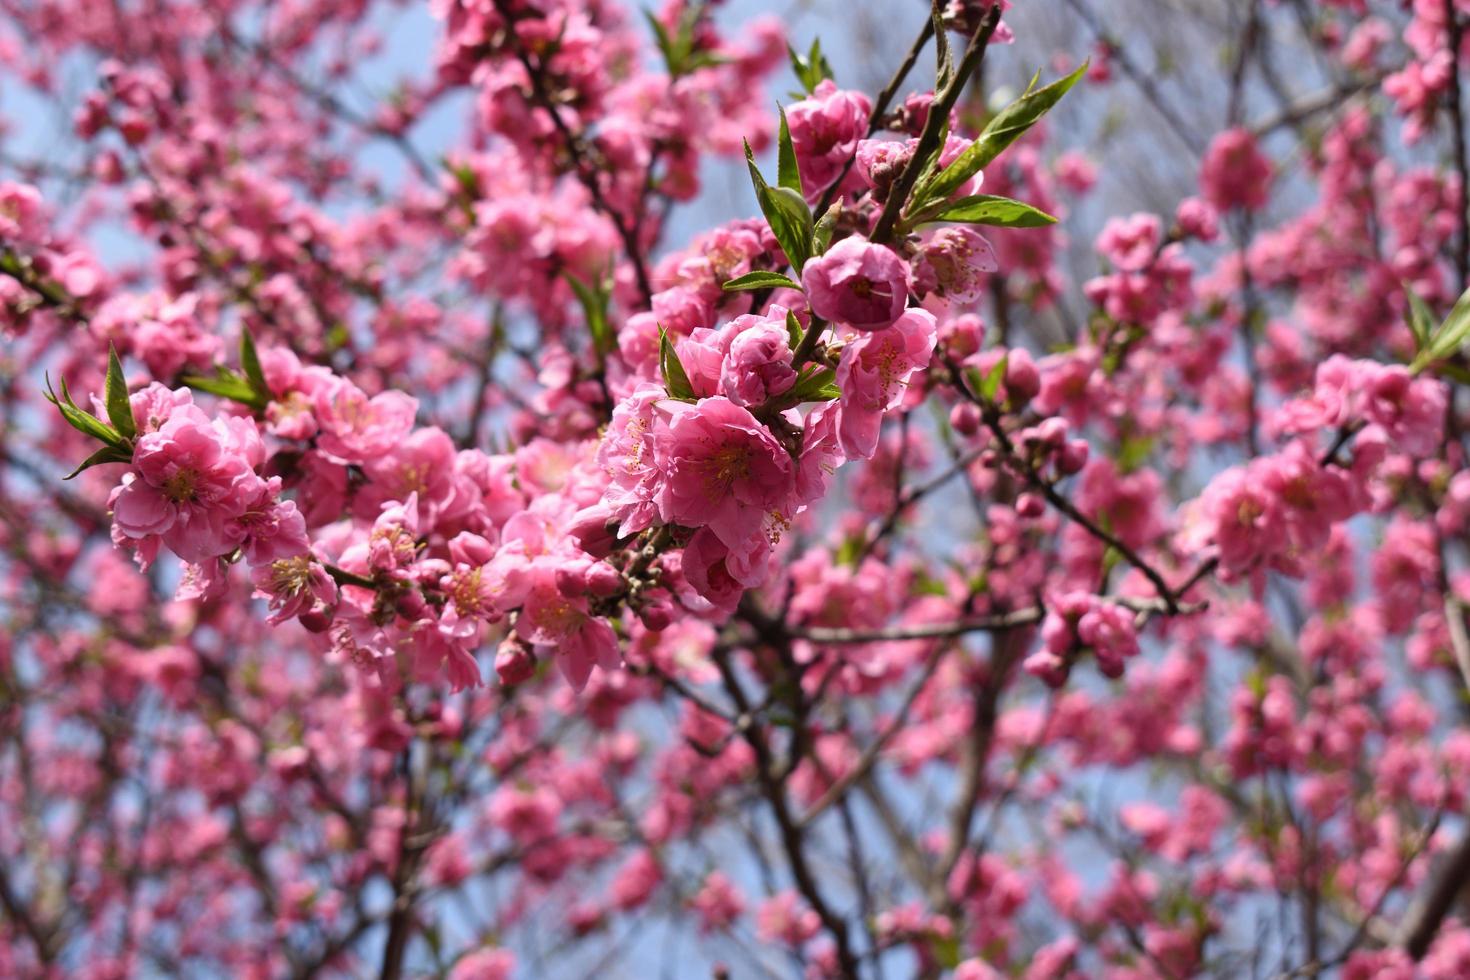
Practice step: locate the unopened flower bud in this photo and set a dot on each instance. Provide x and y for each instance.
(657, 615)
(965, 418)
(1073, 457)
(603, 580)
(1030, 505)
(514, 663)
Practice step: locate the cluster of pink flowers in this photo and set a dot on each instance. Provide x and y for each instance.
(464, 573)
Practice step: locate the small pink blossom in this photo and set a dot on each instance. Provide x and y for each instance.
(858, 284)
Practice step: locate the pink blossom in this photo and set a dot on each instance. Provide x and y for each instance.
(874, 373)
(720, 468)
(356, 428)
(825, 129)
(190, 481)
(1235, 173)
(952, 261)
(857, 283)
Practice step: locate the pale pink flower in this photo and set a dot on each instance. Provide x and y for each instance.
(874, 373)
(356, 428)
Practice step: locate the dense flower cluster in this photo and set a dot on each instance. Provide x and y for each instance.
(463, 572)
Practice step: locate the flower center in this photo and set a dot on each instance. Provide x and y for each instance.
(181, 486)
(291, 576)
(725, 466)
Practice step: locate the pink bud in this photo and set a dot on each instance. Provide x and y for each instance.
(604, 580)
(1073, 457)
(593, 530)
(571, 578)
(1023, 381)
(965, 418)
(657, 615)
(514, 663)
(315, 620)
(471, 549)
(1030, 505)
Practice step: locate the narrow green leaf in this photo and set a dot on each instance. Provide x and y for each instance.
(761, 280)
(107, 454)
(676, 380)
(990, 384)
(1449, 337)
(593, 300)
(987, 209)
(793, 330)
(812, 68)
(826, 226)
(1421, 319)
(250, 364)
(662, 39)
(1002, 130)
(787, 172)
(791, 221)
(787, 213)
(816, 385)
(115, 397)
(225, 384)
(80, 419)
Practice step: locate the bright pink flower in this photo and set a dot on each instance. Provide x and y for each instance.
(1235, 174)
(757, 364)
(874, 373)
(564, 628)
(192, 477)
(626, 454)
(825, 129)
(293, 586)
(720, 468)
(1243, 519)
(355, 428)
(1131, 243)
(1411, 410)
(857, 284)
(484, 964)
(718, 903)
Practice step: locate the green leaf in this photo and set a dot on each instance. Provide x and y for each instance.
(594, 300)
(787, 213)
(1453, 371)
(225, 384)
(826, 226)
(990, 384)
(250, 364)
(761, 280)
(115, 397)
(812, 68)
(793, 329)
(787, 173)
(816, 385)
(676, 380)
(80, 419)
(107, 454)
(678, 52)
(1421, 319)
(1448, 338)
(1002, 130)
(662, 39)
(987, 209)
